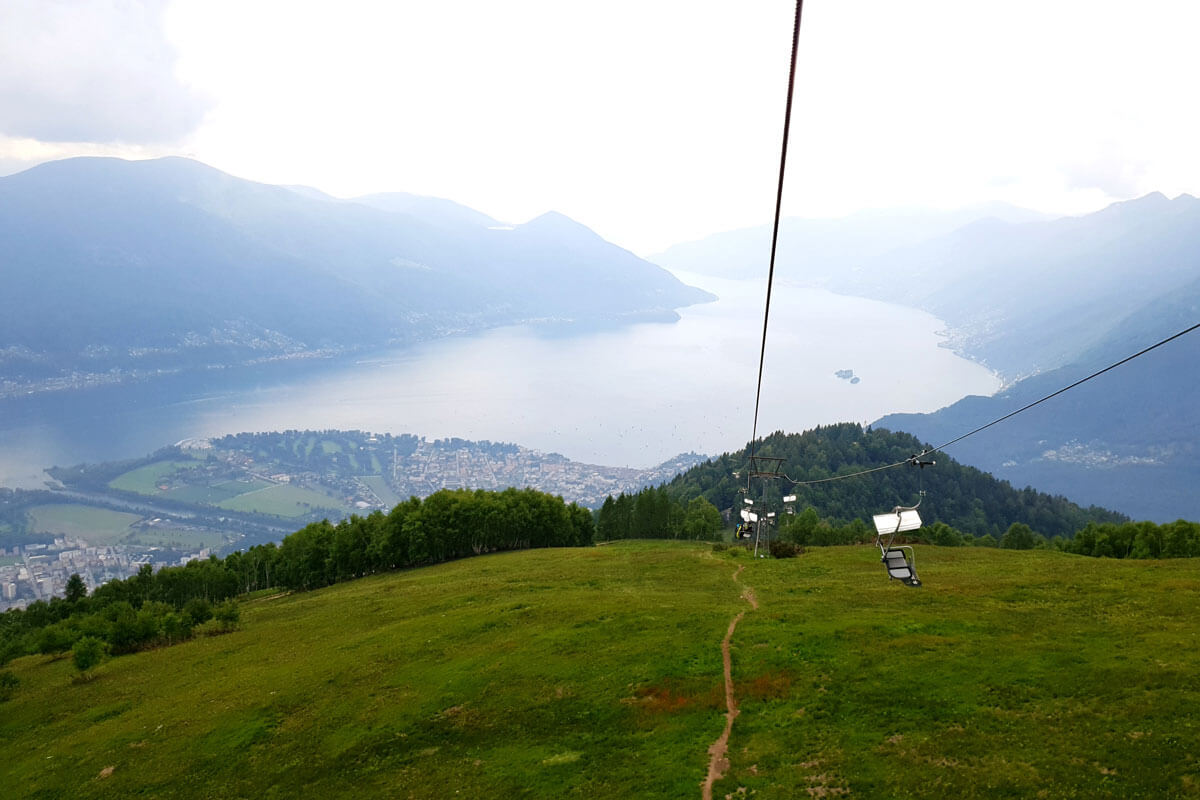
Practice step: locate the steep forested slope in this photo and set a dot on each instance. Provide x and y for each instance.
(958, 495)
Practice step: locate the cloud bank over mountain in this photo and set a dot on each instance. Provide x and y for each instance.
(92, 72)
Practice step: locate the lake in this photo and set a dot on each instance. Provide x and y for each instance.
(633, 396)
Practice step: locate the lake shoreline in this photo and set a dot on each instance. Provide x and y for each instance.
(630, 395)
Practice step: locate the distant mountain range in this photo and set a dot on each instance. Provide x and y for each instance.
(115, 267)
(1020, 293)
(826, 252)
(1043, 303)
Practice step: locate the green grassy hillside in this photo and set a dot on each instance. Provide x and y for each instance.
(596, 672)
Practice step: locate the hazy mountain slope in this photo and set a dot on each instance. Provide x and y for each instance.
(823, 252)
(1030, 297)
(1020, 296)
(109, 264)
(431, 210)
(1129, 439)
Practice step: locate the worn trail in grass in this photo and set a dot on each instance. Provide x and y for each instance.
(718, 763)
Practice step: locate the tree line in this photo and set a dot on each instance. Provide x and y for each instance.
(1179, 539)
(153, 608)
(653, 513)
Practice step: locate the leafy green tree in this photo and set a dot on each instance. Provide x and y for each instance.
(583, 526)
(1181, 539)
(87, 653)
(76, 589)
(703, 520)
(123, 633)
(943, 535)
(8, 685)
(55, 639)
(198, 610)
(607, 529)
(801, 529)
(177, 627)
(227, 615)
(1019, 536)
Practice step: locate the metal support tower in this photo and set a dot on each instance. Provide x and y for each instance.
(767, 468)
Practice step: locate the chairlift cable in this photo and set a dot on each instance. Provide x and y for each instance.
(1066, 388)
(787, 118)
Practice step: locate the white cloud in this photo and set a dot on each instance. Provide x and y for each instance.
(94, 72)
(654, 122)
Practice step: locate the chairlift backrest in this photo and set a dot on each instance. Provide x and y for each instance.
(898, 521)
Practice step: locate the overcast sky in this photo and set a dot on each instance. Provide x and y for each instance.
(651, 121)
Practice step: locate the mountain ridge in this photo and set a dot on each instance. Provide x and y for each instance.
(118, 266)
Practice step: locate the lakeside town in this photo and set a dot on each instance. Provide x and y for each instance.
(39, 570)
(210, 496)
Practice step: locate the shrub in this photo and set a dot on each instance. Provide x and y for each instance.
(54, 639)
(782, 549)
(227, 615)
(720, 547)
(88, 652)
(177, 627)
(8, 685)
(198, 610)
(1019, 536)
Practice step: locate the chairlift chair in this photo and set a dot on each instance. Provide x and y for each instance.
(746, 529)
(898, 560)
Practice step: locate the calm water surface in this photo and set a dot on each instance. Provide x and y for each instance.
(634, 396)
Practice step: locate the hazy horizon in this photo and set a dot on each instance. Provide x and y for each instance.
(1059, 106)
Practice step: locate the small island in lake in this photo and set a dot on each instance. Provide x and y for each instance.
(847, 375)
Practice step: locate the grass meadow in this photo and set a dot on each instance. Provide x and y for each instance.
(379, 485)
(596, 673)
(98, 526)
(282, 500)
(146, 479)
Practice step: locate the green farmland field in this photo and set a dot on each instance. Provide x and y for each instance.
(218, 493)
(282, 500)
(174, 537)
(98, 526)
(146, 479)
(379, 485)
(186, 484)
(596, 673)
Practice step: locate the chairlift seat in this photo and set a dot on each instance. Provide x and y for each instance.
(899, 567)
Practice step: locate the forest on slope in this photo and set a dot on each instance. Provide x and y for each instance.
(958, 495)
